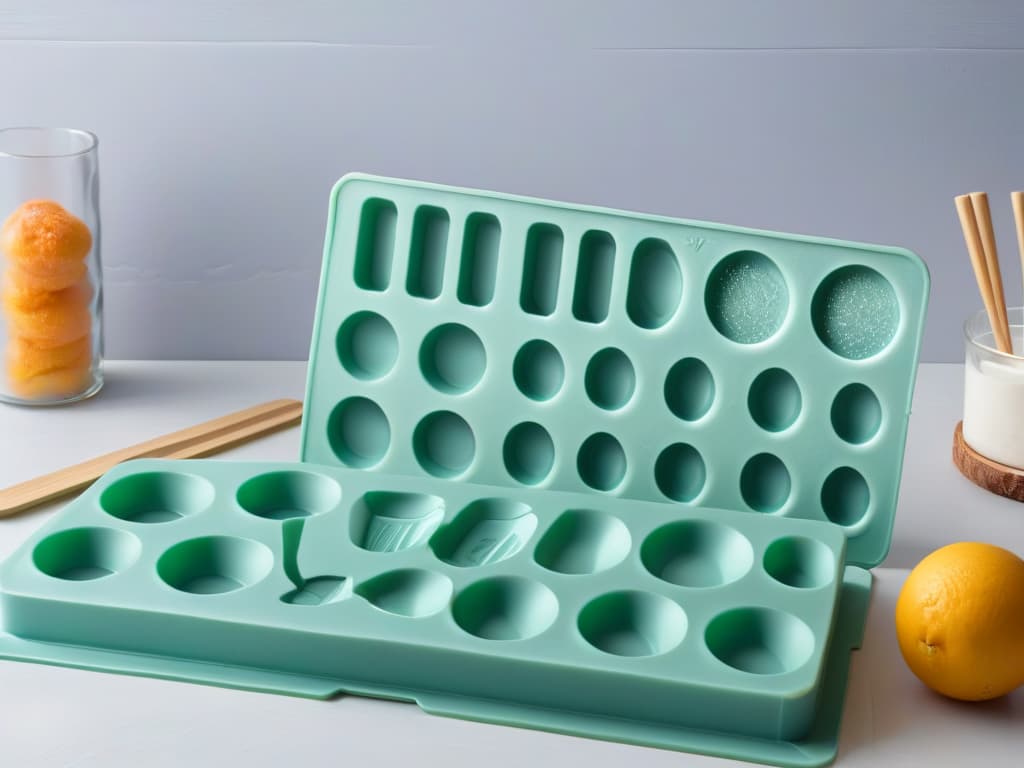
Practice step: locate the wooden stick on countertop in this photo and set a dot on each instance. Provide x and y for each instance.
(972, 238)
(201, 440)
(983, 215)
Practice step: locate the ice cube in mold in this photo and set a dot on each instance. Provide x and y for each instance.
(488, 338)
(650, 622)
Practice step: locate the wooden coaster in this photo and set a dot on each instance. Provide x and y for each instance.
(990, 475)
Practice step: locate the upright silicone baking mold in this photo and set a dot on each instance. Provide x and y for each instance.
(592, 437)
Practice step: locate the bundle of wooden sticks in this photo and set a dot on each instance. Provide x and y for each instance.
(976, 222)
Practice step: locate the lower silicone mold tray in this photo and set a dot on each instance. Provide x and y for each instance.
(686, 628)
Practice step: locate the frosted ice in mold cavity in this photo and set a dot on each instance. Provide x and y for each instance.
(486, 531)
(855, 312)
(391, 521)
(746, 297)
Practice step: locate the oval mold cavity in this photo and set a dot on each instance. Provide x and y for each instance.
(601, 462)
(528, 453)
(774, 400)
(689, 389)
(452, 359)
(655, 287)
(680, 472)
(632, 623)
(367, 346)
(610, 379)
(212, 565)
(765, 483)
(157, 497)
(538, 370)
(505, 608)
(845, 496)
(358, 432)
(85, 554)
(287, 494)
(856, 414)
(583, 541)
(409, 592)
(760, 641)
(797, 561)
(697, 553)
(444, 444)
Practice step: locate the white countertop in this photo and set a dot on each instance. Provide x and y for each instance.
(61, 717)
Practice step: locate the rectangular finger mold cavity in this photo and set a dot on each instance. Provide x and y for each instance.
(682, 627)
(500, 340)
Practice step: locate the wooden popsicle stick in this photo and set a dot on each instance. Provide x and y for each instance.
(983, 216)
(201, 440)
(969, 225)
(1017, 202)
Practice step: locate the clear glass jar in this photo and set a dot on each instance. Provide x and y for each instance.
(994, 390)
(51, 334)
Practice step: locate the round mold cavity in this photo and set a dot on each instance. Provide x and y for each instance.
(444, 444)
(409, 592)
(601, 462)
(84, 554)
(529, 453)
(157, 497)
(211, 565)
(583, 541)
(632, 623)
(697, 553)
(680, 472)
(765, 483)
(845, 496)
(855, 312)
(287, 494)
(538, 370)
(761, 641)
(774, 400)
(797, 561)
(505, 608)
(856, 414)
(358, 432)
(367, 345)
(610, 379)
(453, 359)
(746, 297)
(689, 389)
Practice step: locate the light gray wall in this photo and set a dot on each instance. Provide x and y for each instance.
(224, 124)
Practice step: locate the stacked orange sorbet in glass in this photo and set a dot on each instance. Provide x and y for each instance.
(46, 300)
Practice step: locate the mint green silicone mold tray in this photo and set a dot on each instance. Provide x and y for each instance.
(679, 627)
(501, 340)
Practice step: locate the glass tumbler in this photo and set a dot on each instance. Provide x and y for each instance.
(994, 390)
(51, 335)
